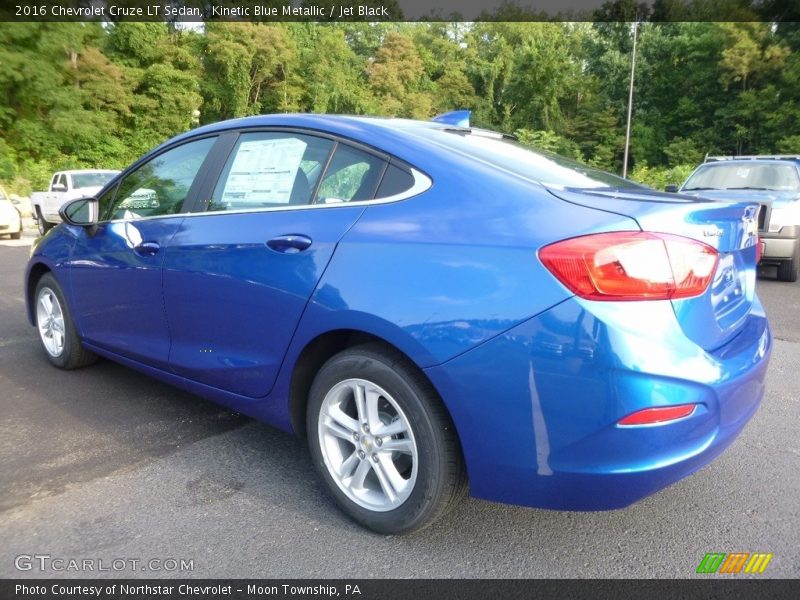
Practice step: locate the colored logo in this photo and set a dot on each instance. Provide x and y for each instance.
(735, 562)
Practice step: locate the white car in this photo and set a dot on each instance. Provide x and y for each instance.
(10, 219)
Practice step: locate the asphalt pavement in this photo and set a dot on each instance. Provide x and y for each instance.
(106, 464)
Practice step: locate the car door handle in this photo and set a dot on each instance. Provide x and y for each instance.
(289, 244)
(147, 248)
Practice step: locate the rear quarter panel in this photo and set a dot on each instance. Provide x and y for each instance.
(453, 267)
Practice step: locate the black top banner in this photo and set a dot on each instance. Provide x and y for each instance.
(200, 11)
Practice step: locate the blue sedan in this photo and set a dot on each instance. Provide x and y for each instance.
(436, 307)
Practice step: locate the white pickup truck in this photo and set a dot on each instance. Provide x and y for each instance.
(66, 186)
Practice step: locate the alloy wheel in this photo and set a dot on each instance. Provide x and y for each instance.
(368, 445)
(50, 320)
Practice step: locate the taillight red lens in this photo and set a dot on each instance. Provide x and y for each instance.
(759, 249)
(632, 265)
(659, 414)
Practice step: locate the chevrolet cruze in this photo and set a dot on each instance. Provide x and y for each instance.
(434, 306)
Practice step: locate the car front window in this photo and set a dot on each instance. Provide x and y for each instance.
(160, 186)
(83, 180)
(744, 176)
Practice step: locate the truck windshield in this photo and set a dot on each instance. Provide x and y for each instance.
(538, 165)
(84, 180)
(744, 176)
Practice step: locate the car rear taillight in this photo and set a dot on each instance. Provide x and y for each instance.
(759, 249)
(658, 414)
(632, 265)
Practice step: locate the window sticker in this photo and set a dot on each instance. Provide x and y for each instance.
(264, 171)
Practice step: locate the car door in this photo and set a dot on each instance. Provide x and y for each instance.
(115, 267)
(52, 200)
(238, 276)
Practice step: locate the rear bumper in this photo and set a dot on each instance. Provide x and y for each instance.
(537, 408)
(782, 245)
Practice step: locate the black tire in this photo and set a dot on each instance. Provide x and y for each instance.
(41, 224)
(441, 478)
(787, 269)
(73, 355)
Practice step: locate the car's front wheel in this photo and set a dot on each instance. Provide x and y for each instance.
(56, 328)
(383, 442)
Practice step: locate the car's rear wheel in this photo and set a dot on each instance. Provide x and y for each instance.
(56, 328)
(788, 269)
(42, 225)
(383, 442)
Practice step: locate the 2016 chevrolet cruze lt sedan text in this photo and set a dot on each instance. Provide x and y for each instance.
(434, 306)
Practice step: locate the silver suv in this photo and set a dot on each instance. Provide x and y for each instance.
(773, 182)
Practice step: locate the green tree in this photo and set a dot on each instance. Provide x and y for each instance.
(334, 76)
(397, 78)
(249, 68)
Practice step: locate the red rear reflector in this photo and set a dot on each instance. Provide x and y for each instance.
(759, 249)
(632, 265)
(659, 414)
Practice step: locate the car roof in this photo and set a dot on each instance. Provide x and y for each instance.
(320, 120)
(358, 126)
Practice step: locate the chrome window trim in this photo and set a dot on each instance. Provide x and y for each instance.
(422, 183)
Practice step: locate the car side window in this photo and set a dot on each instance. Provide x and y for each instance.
(352, 175)
(395, 181)
(270, 169)
(159, 186)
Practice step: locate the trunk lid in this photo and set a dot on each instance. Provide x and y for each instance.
(713, 319)
(768, 199)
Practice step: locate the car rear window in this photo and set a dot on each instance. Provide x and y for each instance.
(271, 169)
(351, 176)
(395, 181)
(544, 167)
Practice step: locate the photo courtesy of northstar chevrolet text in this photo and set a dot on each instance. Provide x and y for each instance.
(292, 288)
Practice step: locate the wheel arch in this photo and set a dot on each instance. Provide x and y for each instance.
(323, 347)
(35, 272)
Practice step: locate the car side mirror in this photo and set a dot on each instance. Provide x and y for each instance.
(82, 212)
(671, 187)
(59, 188)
